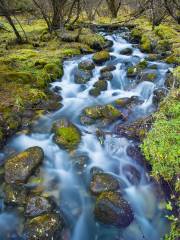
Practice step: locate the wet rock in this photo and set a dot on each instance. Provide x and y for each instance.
(132, 72)
(86, 65)
(15, 195)
(57, 89)
(159, 95)
(126, 51)
(20, 167)
(86, 120)
(132, 174)
(136, 130)
(101, 85)
(101, 57)
(108, 68)
(45, 227)
(67, 135)
(108, 44)
(112, 209)
(106, 76)
(107, 113)
(103, 182)
(127, 102)
(147, 76)
(172, 81)
(95, 92)
(37, 206)
(82, 77)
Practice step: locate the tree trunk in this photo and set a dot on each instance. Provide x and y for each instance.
(57, 16)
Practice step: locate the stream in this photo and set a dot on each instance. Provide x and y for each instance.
(69, 186)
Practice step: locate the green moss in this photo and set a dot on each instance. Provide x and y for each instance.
(146, 45)
(95, 92)
(172, 59)
(101, 56)
(136, 33)
(142, 65)
(18, 77)
(53, 70)
(151, 76)
(92, 39)
(101, 85)
(70, 52)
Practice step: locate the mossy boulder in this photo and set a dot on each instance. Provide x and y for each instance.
(67, 135)
(101, 57)
(103, 182)
(15, 195)
(40, 63)
(86, 65)
(20, 167)
(127, 102)
(146, 44)
(53, 70)
(106, 76)
(150, 76)
(133, 71)
(95, 92)
(37, 205)
(126, 51)
(95, 41)
(107, 113)
(44, 227)
(172, 59)
(82, 77)
(112, 209)
(101, 85)
(108, 68)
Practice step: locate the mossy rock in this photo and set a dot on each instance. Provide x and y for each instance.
(112, 209)
(108, 68)
(67, 135)
(95, 41)
(20, 167)
(146, 45)
(142, 64)
(15, 195)
(103, 182)
(86, 65)
(105, 113)
(53, 70)
(106, 76)
(136, 34)
(40, 63)
(82, 77)
(101, 85)
(95, 92)
(44, 227)
(18, 77)
(132, 72)
(172, 59)
(101, 57)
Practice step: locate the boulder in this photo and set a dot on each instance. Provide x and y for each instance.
(126, 51)
(103, 182)
(108, 68)
(67, 135)
(37, 205)
(86, 65)
(101, 85)
(94, 92)
(20, 167)
(159, 95)
(101, 57)
(112, 209)
(15, 195)
(107, 112)
(127, 102)
(147, 76)
(44, 227)
(106, 76)
(132, 174)
(82, 77)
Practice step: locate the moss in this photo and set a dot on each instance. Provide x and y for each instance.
(151, 76)
(146, 45)
(101, 57)
(18, 77)
(101, 85)
(70, 52)
(136, 34)
(142, 65)
(92, 39)
(53, 70)
(95, 92)
(172, 59)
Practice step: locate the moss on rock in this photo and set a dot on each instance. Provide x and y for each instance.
(101, 57)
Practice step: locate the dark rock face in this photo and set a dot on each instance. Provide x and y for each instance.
(136, 130)
(95, 170)
(159, 95)
(86, 65)
(15, 195)
(20, 167)
(106, 76)
(108, 44)
(132, 174)
(44, 227)
(103, 182)
(112, 209)
(37, 206)
(109, 68)
(82, 77)
(126, 51)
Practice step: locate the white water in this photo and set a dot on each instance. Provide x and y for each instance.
(72, 193)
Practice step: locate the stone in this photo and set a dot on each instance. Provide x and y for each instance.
(126, 51)
(132, 174)
(101, 57)
(112, 209)
(106, 76)
(82, 77)
(20, 167)
(86, 65)
(108, 68)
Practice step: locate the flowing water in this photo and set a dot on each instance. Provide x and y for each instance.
(71, 187)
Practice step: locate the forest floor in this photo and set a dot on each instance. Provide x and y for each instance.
(27, 69)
